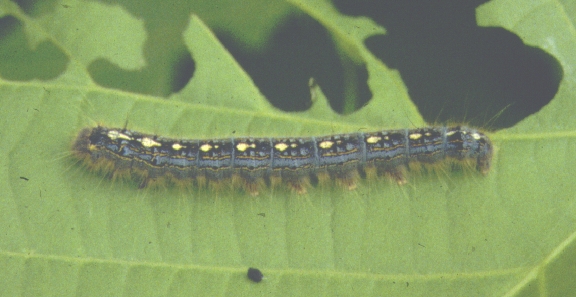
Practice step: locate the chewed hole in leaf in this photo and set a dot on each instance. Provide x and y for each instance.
(301, 49)
(456, 70)
(20, 62)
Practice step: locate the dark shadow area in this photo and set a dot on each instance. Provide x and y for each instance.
(169, 65)
(36, 8)
(142, 81)
(21, 63)
(456, 71)
(28, 6)
(300, 49)
(183, 71)
(168, 68)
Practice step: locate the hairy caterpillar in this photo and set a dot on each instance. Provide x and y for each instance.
(253, 162)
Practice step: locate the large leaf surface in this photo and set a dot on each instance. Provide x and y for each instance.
(66, 231)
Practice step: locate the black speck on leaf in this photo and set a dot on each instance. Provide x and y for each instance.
(255, 275)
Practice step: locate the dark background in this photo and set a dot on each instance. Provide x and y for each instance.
(454, 70)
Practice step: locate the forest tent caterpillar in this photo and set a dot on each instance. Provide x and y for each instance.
(254, 162)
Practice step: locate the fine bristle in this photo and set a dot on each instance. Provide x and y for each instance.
(300, 185)
(398, 174)
(348, 180)
(81, 144)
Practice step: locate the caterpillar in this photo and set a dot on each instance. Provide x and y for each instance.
(255, 162)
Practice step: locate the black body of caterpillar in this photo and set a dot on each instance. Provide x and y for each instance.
(255, 161)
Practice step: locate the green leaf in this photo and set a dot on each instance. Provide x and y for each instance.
(67, 231)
